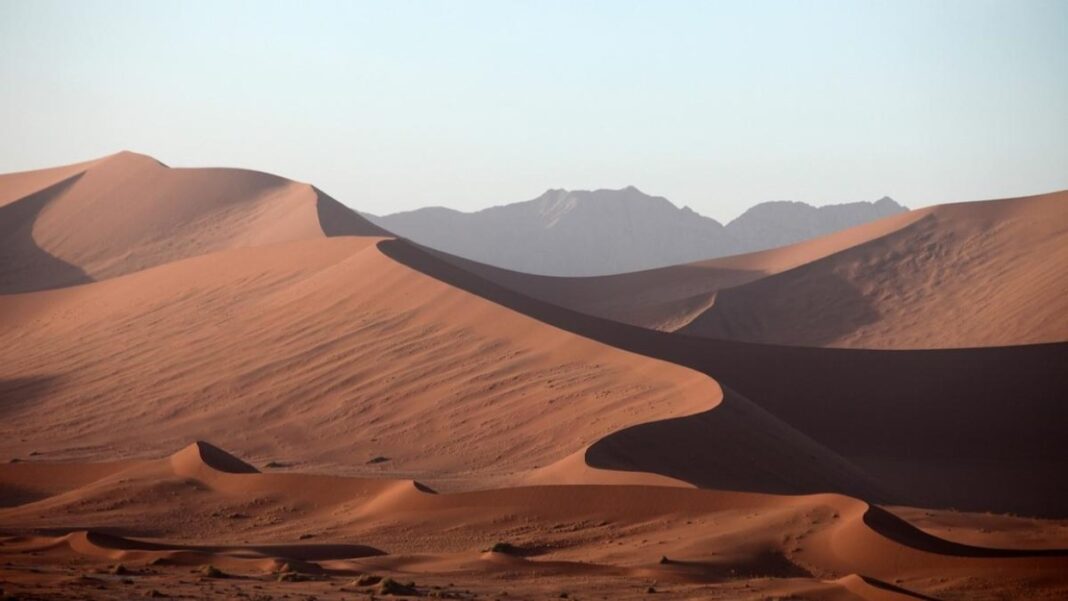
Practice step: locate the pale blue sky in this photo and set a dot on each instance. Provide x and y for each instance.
(395, 105)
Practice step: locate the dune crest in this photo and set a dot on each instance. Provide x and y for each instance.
(128, 212)
(388, 409)
(798, 542)
(899, 282)
(669, 298)
(339, 353)
(201, 456)
(987, 273)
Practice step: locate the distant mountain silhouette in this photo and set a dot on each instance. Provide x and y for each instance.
(580, 233)
(782, 222)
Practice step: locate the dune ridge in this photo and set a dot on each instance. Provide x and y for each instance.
(987, 273)
(401, 411)
(128, 212)
(899, 282)
(297, 332)
(804, 537)
(669, 298)
(332, 371)
(836, 396)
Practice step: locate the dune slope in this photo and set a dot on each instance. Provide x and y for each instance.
(949, 404)
(128, 212)
(669, 298)
(972, 274)
(337, 354)
(985, 273)
(148, 307)
(696, 543)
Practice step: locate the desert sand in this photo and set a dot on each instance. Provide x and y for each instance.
(986, 273)
(375, 409)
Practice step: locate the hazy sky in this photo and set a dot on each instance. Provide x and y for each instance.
(395, 105)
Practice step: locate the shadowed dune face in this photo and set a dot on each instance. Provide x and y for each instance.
(948, 404)
(335, 219)
(661, 299)
(128, 212)
(160, 306)
(334, 354)
(203, 454)
(973, 274)
(704, 451)
(669, 298)
(15, 186)
(25, 266)
(683, 539)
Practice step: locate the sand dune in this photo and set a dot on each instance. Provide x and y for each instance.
(391, 409)
(15, 186)
(986, 273)
(128, 212)
(860, 404)
(335, 352)
(792, 544)
(972, 274)
(669, 298)
(350, 362)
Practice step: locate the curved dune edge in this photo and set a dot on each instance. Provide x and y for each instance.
(128, 212)
(669, 298)
(201, 455)
(815, 538)
(895, 283)
(691, 443)
(988, 273)
(576, 469)
(313, 320)
(870, 589)
(727, 363)
(816, 392)
(341, 355)
(313, 280)
(16, 186)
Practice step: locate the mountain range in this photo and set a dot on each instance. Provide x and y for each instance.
(600, 232)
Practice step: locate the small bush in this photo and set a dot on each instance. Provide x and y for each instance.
(506, 548)
(210, 571)
(389, 586)
(293, 577)
(367, 580)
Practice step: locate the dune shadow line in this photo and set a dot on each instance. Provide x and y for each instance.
(24, 265)
(908, 419)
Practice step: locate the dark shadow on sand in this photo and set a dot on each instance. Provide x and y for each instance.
(25, 266)
(913, 421)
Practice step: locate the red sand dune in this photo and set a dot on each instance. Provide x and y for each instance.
(145, 307)
(972, 274)
(669, 298)
(985, 273)
(334, 352)
(984, 426)
(796, 545)
(128, 212)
